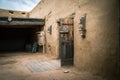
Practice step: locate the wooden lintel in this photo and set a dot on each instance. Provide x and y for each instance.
(21, 21)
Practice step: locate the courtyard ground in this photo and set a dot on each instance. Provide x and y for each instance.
(12, 67)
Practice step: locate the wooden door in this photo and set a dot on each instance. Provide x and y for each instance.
(66, 40)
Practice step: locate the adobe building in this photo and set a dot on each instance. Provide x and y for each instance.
(84, 33)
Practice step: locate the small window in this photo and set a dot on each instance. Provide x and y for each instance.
(11, 12)
(23, 13)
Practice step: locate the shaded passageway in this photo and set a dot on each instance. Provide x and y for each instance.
(19, 34)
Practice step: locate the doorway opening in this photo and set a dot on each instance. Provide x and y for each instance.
(23, 39)
(20, 34)
(66, 37)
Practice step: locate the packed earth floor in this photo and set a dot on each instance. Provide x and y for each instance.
(13, 67)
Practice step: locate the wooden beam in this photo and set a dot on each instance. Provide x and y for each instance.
(21, 21)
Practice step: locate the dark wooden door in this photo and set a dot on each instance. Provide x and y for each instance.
(66, 40)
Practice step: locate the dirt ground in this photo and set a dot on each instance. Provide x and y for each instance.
(12, 67)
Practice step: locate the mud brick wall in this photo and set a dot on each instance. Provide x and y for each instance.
(15, 13)
(97, 53)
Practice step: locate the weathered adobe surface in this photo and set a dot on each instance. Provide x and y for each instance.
(97, 53)
(19, 14)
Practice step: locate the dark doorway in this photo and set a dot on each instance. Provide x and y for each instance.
(17, 39)
(66, 41)
(19, 34)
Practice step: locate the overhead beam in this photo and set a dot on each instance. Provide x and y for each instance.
(21, 21)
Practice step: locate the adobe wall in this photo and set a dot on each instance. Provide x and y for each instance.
(52, 11)
(20, 14)
(98, 52)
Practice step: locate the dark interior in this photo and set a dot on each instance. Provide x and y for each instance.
(17, 39)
